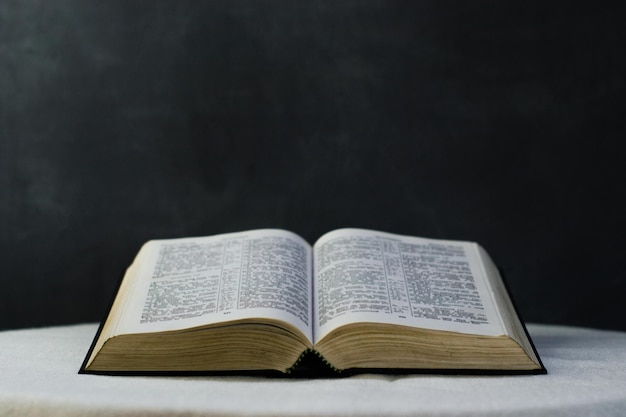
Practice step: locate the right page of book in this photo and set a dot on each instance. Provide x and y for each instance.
(370, 276)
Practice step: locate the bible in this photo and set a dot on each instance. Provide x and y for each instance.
(266, 301)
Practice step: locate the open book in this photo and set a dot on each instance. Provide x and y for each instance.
(358, 300)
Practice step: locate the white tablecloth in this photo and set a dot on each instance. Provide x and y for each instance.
(587, 377)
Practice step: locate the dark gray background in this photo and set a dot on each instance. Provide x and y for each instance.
(499, 122)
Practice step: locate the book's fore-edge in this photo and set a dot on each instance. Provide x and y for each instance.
(505, 283)
(83, 367)
(311, 365)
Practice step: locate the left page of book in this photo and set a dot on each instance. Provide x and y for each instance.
(190, 282)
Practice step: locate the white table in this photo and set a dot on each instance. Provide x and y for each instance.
(587, 377)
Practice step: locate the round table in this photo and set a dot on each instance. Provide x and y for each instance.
(586, 376)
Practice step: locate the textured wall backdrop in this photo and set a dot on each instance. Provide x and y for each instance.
(122, 121)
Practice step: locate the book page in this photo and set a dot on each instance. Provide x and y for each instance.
(188, 282)
(368, 276)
